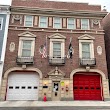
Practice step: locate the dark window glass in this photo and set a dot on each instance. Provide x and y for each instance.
(35, 87)
(29, 87)
(92, 87)
(81, 87)
(23, 87)
(10, 87)
(86, 88)
(17, 87)
(75, 88)
(98, 88)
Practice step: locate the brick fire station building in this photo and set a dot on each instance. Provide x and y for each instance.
(55, 49)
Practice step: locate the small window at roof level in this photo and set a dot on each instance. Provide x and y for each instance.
(85, 24)
(28, 21)
(43, 22)
(57, 23)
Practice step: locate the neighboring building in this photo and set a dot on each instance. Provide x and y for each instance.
(106, 26)
(55, 49)
(4, 22)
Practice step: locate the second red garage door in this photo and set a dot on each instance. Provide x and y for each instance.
(87, 87)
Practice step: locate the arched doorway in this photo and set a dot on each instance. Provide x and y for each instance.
(9, 79)
(87, 86)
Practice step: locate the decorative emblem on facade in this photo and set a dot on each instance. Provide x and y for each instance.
(56, 74)
(96, 22)
(99, 50)
(12, 47)
(17, 18)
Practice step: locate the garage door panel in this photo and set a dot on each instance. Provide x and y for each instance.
(87, 87)
(23, 86)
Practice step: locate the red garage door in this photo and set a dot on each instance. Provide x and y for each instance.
(87, 87)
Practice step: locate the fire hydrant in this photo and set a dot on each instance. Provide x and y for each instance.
(45, 98)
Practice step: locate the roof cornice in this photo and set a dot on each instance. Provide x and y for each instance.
(58, 11)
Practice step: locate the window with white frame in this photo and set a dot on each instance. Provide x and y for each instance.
(28, 21)
(26, 47)
(43, 22)
(71, 23)
(57, 23)
(86, 49)
(56, 49)
(85, 24)
(1, 23)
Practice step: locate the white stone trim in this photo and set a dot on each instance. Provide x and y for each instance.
(57, 36)
(86, 37)
(26, 34)
(19, 68)
(84, 70)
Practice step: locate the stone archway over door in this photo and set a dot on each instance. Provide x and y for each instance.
(105, 86)
(5, 81)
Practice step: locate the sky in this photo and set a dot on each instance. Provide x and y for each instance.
(103, 3)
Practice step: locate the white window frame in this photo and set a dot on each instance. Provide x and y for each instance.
(43, 22)
(91, 47)
(62, 41)
(74, 24)
(60, 24)
(21, 39)
(1, 19)
(25, 21)
(87, 24)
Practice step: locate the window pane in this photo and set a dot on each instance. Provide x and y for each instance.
(71, 23)
(57, 22)
(28, 20)
(26, 44)
(86, 50)
(56, 49)
(43, 21)
(26, 53)
(84, 24)
(43, 25)
(26, 48)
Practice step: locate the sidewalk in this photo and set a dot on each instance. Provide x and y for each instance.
(55, 103)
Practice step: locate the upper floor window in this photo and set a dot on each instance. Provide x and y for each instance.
(43, 22)
(26, 48)
(71, 23)
(26, 44)
(86, 46)
(57, 23)
(56, 49)
(1, 23)
(84, 23)
(85, 50)
(28, 21)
